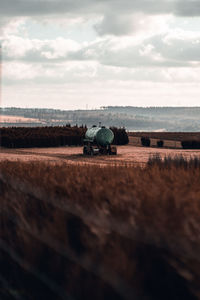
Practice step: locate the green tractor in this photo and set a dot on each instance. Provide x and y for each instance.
(98, 140)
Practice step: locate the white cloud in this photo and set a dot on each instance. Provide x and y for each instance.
(13, 26)
(117, 16)
(131, 23)
(41, 7)
(20, 71)
(19, 48)
(135, 54)
(162, 47)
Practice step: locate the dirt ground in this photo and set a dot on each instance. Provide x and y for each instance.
(129, 154)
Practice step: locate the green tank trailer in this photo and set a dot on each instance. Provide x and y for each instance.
(98, 140)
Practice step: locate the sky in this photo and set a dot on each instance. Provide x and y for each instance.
(85, 54)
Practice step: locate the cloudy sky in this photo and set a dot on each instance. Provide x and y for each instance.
(73, 54)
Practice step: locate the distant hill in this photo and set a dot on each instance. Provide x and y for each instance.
(132, 118)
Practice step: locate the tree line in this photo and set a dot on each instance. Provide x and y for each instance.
(27, 137)
(53, 136)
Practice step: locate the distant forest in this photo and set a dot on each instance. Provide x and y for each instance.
(132, 118)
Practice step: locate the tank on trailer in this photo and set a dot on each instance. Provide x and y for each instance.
(98, 140)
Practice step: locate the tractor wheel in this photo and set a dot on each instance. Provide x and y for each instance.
(91, 151)
(113, 151)
(85, 151)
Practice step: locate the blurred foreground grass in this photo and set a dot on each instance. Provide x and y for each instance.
(87, 232)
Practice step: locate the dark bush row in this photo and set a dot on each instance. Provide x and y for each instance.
(43, 141)
(190, 144)
(24, 137)
(28, 137)
(120, 136)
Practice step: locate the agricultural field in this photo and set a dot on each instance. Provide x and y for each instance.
(119, 227)
(16, 119)
(173, 136)
(128, 154)
(175, 140)
(118, 232)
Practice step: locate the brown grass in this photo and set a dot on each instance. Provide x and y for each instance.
(178, 161)
(73, 155)
(89, 232)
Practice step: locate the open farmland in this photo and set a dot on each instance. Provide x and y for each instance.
(173, 136)
(115, 232)
(129, 230)
(16, 119)
(126, 154)
(19, 121)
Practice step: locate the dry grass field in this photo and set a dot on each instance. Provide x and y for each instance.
(70, 229)
(86, 232)
(168, 143)
(126, 154)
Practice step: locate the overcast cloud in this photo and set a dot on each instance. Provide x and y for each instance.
(85, 45)
(41, 7)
